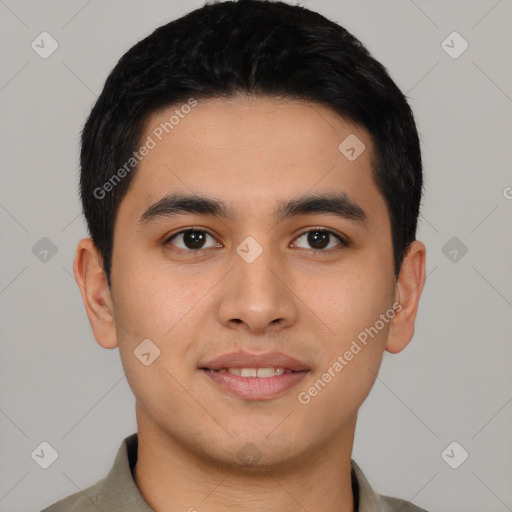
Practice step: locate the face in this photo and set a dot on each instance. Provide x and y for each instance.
(308, 282)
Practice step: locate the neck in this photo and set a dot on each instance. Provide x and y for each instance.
(172, 478)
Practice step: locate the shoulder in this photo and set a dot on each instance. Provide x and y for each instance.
(398, 505)
(117, 491)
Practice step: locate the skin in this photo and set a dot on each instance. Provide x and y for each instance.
(251, 153)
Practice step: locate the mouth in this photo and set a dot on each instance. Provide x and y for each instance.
(260, 373)
(254, 376)
(254, 383)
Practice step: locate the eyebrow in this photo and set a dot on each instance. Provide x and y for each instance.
(339, 205)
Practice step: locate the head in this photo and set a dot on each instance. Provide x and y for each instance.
(250, 104)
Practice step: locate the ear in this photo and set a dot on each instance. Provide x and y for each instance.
(409, 286)
(92, 281)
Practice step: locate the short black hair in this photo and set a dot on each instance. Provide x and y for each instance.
(254, 47)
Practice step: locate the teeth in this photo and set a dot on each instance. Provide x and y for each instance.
(255, 372)
(267, 372)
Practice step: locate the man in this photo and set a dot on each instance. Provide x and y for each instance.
(251, 179)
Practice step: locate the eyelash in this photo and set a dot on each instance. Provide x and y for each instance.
(343, 241)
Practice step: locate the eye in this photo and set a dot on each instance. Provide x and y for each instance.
(319, 239)
(191, 239)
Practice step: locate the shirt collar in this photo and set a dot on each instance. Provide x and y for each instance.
(369, 500)
(120, 493)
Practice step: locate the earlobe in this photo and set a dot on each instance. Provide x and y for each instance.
(408, 291)
(92, 282)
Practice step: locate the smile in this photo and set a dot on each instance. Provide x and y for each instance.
(254, 383)
(254, 372)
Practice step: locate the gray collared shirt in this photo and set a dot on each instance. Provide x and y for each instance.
(117, 492)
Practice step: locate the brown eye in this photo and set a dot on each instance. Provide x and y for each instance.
(191, 239)
(320, 239)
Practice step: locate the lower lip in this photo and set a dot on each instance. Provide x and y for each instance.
(256, 388)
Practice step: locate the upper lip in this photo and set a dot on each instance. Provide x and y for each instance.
(244, 359)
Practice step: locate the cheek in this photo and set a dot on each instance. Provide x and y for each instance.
(163, 307)
(152, 345)
(353, 347)
(351, 299)
(351, 303)
(152, 297)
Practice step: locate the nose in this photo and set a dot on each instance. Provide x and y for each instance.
(256, 297)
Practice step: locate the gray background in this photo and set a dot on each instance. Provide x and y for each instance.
(453, 382)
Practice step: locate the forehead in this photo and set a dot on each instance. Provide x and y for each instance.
(252, 152)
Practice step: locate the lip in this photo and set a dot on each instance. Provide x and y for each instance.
(243, 359)
(255, 388)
